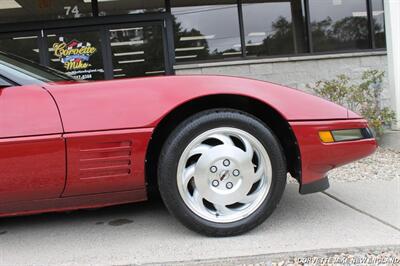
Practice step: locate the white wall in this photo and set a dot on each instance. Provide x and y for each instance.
(392, 17)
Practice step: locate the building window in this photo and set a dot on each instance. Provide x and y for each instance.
(378, 17)
(12, 11)
(137, 51)
(25, 45)
(206, 30)
(339, 25)
(274, 27)
(119, 7)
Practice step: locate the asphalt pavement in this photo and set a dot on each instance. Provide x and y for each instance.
(348, 215)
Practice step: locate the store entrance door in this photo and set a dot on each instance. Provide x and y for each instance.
(106, 52)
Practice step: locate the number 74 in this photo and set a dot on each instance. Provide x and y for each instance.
(74, 10)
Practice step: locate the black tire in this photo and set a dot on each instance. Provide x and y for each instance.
(183, 135)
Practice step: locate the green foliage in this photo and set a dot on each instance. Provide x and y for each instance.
(363, 98)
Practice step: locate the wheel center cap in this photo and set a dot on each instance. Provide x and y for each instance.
(223, 175)
(222, 192)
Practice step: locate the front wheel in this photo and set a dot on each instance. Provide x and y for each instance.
(221, 172)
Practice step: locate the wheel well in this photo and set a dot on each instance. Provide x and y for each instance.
(265, 113)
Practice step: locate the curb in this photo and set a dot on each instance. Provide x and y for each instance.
(300, 257)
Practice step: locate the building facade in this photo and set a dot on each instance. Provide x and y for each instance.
(292, 42)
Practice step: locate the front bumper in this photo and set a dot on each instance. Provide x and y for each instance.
(317, 158)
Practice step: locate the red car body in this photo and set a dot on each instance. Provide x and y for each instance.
(81, 145)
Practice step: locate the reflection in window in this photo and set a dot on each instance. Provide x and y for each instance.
(12, 11)
(339, 25)
(21, 45)
(209, 30)
(273, 27)
(137, 51)
(118, 7)
(378, 15)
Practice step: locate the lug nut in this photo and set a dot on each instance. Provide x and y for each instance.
(226, 162)
(229, 185)
(213, 169)
(215, 183)
(236, 172)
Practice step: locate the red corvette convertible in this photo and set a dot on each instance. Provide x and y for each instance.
(218, 149)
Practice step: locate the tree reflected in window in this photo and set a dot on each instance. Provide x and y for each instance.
(206, 30)
(273, 28)
(339, 25)
(280, 41)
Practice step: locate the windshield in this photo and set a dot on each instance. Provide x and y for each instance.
(20, 69)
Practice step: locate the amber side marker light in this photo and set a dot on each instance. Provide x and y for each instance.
(326, 136)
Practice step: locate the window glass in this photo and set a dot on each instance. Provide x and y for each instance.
(379, 23)
(137, 51)
(12, 11)
(274, 27)
(339, 25)
(118, 7)
(77, 54)
(24, 45)
(205, 30)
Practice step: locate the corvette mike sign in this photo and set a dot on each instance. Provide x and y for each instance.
(75, 56)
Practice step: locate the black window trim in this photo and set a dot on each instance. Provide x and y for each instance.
(371, 33)
(11, 82)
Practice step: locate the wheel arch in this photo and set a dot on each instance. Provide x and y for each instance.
(271, 117)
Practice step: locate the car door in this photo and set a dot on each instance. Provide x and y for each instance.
(32, 149)
(105, 144)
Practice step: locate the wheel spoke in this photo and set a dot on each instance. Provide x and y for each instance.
(249, 198)
(188, 174)
(224, 139)
(198, 199)
(223, 210)
(259, 173)
(199, 149)
(249, 149)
